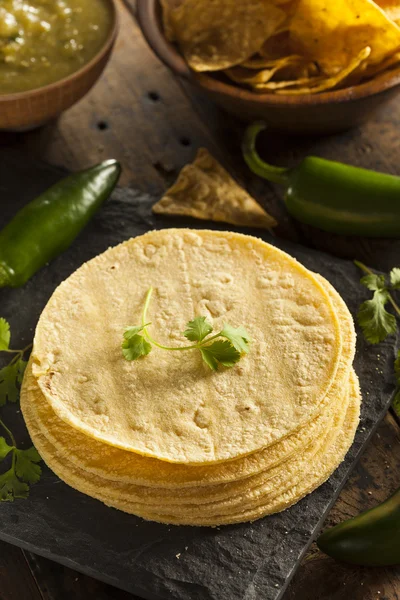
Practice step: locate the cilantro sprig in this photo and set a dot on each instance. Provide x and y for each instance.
(11, 375)
(224, 348)
(24, 468)
(375, 321)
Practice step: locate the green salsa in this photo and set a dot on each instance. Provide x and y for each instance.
(43, 41)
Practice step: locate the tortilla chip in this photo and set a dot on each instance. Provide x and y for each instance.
(387, 64)
(300, 71)
(285, 72)
(205, 190)
(259, 62)
(167, 7)
(242, 75)
(333, 33)
(391, 8)
(223, 33)
(366, 71)
(276, 46)
(319, 84)
(281, 85)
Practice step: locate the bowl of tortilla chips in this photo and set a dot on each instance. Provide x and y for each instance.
(303, 66)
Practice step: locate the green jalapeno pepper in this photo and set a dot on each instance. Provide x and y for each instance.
(371, 539)
(333, 196)
(48, 225)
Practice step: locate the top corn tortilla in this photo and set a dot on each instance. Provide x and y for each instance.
(169, 405)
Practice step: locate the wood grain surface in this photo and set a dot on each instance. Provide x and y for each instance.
(141, 115)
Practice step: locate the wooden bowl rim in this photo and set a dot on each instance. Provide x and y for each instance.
(6, 98)
(147, 12)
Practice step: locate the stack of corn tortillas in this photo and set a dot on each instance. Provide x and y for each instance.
(166, 438)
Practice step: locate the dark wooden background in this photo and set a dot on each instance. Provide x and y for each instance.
(141, 115)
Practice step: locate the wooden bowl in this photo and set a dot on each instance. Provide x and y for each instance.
(30, 109)
(327, 112)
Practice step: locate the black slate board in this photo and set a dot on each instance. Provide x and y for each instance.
(241, 562)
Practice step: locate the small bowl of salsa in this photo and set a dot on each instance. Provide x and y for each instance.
(51, 53)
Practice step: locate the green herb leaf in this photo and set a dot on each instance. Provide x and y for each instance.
(11, 487)
(9, 377)
(238, 337)
(197, 329)
(225, 352)
(26, 466)
(24, 470)
(374, 319)
(136, 346)
(5, 449)
(374, 282)
(130, 332)
(395, 278)
(5, 334)
(220, 352)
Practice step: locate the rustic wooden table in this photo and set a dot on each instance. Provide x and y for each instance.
(140, 114)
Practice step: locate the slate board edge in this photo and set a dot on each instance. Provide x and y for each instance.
(70, 564)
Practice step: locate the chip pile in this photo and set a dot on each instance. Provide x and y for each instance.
(287, 46)
(165, 438)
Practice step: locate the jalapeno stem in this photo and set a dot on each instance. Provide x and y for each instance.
(368, 271)
(257, 165)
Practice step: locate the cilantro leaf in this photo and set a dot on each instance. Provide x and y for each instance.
(135, 346)
(374, 319)
(238, 337)
(11, 487)
(220, 352)
(9, 377)
(24, 469)
(373, 282)
(130, 332)
(395, 278)
(26, 466)
(5, 334)
(197, 329)
(5, 449)
(209, 359)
